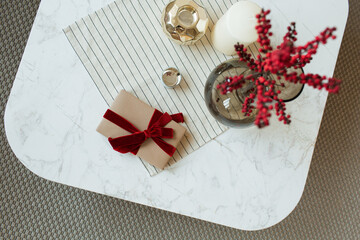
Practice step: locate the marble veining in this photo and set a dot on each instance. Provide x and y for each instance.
(248, 179)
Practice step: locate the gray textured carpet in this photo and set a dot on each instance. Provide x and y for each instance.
(33, 208)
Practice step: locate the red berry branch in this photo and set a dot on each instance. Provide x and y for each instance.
(279, 62)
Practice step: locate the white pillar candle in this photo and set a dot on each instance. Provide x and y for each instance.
(237, 25)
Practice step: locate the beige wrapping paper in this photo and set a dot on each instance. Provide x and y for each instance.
(139, 114)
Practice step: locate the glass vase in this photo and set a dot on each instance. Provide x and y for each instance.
(227, 108)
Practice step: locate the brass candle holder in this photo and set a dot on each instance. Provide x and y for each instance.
(184, 22)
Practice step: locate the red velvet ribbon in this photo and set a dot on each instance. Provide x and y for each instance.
(155, 130)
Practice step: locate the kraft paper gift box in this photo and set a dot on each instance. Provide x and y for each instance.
(139, 114)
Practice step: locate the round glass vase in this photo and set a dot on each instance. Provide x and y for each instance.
(227, 108)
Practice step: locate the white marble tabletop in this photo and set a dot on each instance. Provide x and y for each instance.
(247, 179)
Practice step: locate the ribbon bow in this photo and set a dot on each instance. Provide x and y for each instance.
(156, 131)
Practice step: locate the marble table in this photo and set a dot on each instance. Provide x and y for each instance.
(247, 179)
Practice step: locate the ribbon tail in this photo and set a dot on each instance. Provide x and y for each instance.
(169, 149)
(135, 151)
(178, 117)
